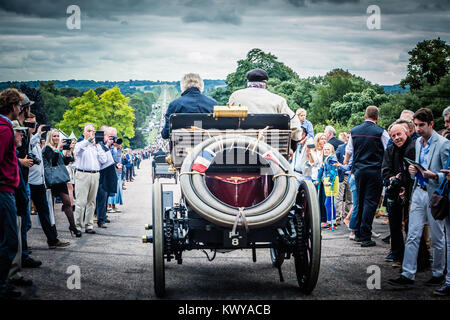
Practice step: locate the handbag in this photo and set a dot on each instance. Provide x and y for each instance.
(439, 203)
(56, 175)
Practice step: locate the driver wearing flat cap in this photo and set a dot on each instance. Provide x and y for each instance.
(260, 100)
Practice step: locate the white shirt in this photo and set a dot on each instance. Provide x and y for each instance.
(36, 173)
(311, 169)
(384, 140)
(89, 156)
(109, 160)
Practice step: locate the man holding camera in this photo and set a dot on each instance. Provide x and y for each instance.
(108, 177)
(89, 157)
(398, 193)
(26, 159)
(431, 155)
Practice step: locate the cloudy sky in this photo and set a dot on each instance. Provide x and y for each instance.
(162, 40)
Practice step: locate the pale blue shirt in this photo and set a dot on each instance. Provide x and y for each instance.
(424, 155)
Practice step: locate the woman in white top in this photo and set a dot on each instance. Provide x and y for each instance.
(313, 156)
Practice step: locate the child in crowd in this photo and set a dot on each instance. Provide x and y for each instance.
(328, 175)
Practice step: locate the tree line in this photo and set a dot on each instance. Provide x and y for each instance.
(339, 98)
(69, 109)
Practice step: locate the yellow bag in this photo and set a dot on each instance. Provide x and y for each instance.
(328, 188)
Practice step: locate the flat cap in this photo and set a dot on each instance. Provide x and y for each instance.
(257, 75)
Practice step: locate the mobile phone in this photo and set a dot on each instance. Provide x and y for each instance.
(99, 136)
(414, 163)
(311, 146)
(31, 125)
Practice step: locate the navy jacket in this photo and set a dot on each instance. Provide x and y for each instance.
(335, 143)
(340, 155)
(191, 101)
(368, 150)
(108, 176)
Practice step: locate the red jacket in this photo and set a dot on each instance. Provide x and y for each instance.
(9, 170)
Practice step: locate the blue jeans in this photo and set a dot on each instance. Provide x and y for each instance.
(8, 234)
(331, 210)
(26, 225)
(354, 190)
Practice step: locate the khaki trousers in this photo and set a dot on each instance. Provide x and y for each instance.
(344, 199)
(16, 265)
(86, 186)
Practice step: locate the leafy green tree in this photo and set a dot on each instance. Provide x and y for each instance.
(351, 110)
(55, 106)
(221, 95)
(391, 109)
(70, 92)
(335, 85)
(256, 58)
(436, 97)
(429, 62)
(100, 90)
(110, 109)
(139, 140)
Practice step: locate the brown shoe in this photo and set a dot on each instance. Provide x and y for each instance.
(58, 244)
(91, 231)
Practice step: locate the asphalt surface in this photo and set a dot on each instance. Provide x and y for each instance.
(115, 264)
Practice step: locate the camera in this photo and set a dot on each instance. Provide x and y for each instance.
(311, 146)
(33, 157)
(117, 140)
(393, 190)
(31, 125)
(99, 136)
(67, 143)
(46, 128)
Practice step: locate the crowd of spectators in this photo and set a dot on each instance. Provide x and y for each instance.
(399, 169)
(38, 169)
(355, 175)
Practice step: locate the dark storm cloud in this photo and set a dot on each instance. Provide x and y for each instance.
(156, 39)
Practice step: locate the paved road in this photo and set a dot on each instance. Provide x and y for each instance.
(114, 264)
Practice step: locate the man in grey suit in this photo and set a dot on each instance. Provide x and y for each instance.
(432, 151)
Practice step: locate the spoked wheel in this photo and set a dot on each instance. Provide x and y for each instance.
(277, 257)
(158, 241)
(307, 253)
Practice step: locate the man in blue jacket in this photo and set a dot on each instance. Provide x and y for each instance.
(191, 101)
